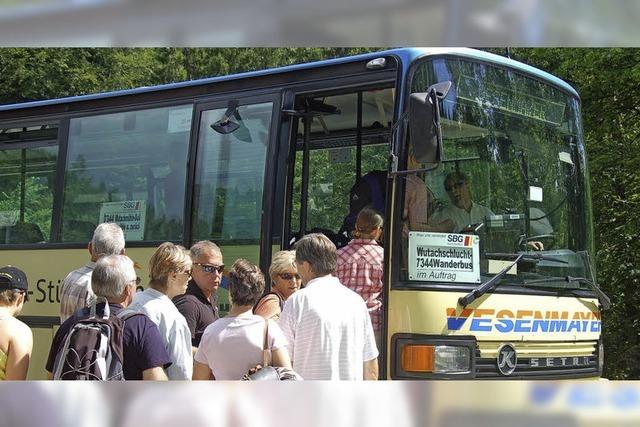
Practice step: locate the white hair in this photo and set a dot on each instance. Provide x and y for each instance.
(204, 247)
(108, 239)
(111, 276)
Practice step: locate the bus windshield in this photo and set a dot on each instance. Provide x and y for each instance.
(513, 180)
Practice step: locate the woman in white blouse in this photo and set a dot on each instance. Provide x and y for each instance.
(169, 273)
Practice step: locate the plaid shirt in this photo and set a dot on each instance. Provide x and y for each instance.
(76, 291)
(360, 266)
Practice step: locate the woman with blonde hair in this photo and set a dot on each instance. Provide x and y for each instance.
(360, 265)
(169, 273)
(284, 282)
(232, 345)
(16, 339)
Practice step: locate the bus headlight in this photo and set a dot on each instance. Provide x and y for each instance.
(429, 358)
(451, 359)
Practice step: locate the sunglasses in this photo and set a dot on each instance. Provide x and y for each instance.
(457, 184)
(289, 276)
(208, 268)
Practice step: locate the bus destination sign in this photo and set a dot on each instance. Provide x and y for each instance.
(443, 257)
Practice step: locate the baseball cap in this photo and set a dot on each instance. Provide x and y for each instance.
(12, 278)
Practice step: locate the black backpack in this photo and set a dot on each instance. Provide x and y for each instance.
(369, 190)
(93, 348)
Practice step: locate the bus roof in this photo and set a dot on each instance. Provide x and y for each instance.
(406, 56)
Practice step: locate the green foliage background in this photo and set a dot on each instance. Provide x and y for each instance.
(607, 79)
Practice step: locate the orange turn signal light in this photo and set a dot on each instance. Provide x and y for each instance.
(418, 358)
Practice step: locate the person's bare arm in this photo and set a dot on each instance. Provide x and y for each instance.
(202, 372)
(371, 370)
(20, 348)
(154, 374)
(268, 307)
(280, 357)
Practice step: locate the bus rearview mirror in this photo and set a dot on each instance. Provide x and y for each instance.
(424, 123)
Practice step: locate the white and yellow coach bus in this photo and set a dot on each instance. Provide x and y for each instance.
(253, 161)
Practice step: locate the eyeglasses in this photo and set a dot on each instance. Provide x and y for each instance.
(208, 268)
(187, 272)
(457, 184)
(289, 276)
(137, 281)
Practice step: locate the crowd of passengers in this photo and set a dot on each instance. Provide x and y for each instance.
(321, 317)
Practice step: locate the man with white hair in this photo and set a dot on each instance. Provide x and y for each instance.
(76, 293)
(144, 354)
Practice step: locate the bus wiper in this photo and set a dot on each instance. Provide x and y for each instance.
(491, 283)
(602, 297)
(488, 285)
(535, 256)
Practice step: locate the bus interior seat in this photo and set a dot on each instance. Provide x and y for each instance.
(21, 232)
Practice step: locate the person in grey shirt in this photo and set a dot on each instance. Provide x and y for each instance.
(462, 210)
(75, 292)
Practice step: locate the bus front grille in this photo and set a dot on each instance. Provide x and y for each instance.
(539, 360)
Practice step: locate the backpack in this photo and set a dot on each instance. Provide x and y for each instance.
(93, 348)
(368, 190)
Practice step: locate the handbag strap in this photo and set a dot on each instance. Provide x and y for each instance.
(266, 352)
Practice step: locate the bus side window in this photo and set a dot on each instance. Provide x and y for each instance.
(116, 169)
(27, 174)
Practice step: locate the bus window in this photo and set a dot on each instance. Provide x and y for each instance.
(230, 179)
(28, 158)
(333, 155)
(128, 168)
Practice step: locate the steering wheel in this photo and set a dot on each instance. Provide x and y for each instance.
(548, 240)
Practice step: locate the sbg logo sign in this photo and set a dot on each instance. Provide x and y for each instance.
(459, 240)
(455, 238)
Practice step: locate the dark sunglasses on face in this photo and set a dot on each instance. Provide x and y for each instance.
(208, 268)
(289, 276)
(457, 184)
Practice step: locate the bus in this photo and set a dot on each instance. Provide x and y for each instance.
(255, 160)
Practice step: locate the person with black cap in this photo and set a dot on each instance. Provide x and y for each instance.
(16, 338)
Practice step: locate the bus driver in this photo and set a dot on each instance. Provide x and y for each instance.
(462, 210)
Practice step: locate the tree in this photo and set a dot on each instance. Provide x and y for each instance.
(609, 83)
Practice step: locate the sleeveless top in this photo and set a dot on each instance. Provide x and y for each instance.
(3, 365)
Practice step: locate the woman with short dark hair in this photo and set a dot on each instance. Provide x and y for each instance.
(232, 345)
(16, 338)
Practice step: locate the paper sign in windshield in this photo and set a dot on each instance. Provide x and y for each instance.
(440, 257)
(130, 215)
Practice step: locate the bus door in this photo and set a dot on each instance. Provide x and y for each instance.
(338, 138)
(232, 153)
